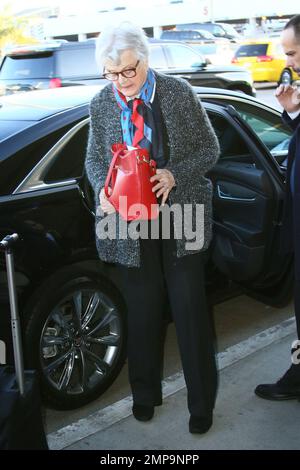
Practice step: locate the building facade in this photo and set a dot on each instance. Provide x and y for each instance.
(81, 20)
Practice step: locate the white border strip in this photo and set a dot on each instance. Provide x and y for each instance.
(114, 413)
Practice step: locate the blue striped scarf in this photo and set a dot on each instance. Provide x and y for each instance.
(136, 115)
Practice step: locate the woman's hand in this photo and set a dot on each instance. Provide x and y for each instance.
(105, 205)
(289, 98)
(165, 182)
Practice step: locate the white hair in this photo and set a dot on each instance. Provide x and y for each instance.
(114, 40)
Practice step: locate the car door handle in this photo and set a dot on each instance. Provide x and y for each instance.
(226, 195)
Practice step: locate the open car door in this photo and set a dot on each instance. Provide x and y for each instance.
(249, 187)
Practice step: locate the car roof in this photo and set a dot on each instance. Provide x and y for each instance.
(61, 106)
(169, 41)
(181, 32)
(59, 45)
(39, 104)
(49, 46)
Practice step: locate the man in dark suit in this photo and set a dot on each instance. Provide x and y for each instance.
(288, 387)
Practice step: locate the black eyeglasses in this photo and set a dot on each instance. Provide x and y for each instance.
(127, 73)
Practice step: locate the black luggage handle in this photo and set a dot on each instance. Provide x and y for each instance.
(8, 241)
(6, 247)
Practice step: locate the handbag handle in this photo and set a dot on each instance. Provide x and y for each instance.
(111, 167)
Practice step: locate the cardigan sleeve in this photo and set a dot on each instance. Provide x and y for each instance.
(204, 147)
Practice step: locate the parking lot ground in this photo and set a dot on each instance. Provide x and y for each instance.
(241, 421)
(236, 320)
(265, 85)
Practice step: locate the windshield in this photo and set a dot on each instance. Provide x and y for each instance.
(67, 62)
(229, 29)
(185, 57)
(27, 67)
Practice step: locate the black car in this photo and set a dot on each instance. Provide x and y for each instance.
(187, 35)
(70, 303)
(63, 64)
(182, 60)
(219, 30)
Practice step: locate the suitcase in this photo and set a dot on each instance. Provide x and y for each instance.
(21, 423)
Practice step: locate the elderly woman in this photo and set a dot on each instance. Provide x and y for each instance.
(155, 272)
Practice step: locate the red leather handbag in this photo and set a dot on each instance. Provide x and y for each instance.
(129, 180)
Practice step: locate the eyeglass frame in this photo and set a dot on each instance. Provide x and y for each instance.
(131, 69)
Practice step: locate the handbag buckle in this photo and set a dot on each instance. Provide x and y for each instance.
(141, 158)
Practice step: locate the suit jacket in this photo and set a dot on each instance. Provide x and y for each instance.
(193, 151)
(291, 218)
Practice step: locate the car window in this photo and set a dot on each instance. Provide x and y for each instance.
(157, 58)
(268, 127)
(69, 161)
(31, 66)
(206, 34)
(184, 35)
(184, 57)
(197, 35)
(171, 35)
(165, 35)
(251, 50)
(191, 35)
(232, 145)
(76, 62)
(229, 29)
(18, 166)
(218, 31)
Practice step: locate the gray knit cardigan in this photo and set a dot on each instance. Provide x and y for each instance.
(194, 150)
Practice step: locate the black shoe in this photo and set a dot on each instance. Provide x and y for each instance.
(286, 388)
(278, 391)
(200, 424)
(142, 412)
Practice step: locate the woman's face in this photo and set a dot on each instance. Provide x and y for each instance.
(130, 87)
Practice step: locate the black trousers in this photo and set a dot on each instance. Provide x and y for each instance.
(165, 279)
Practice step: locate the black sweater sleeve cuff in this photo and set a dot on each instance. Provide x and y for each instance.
(292, 123)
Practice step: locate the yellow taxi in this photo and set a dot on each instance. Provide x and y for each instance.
(265, 59)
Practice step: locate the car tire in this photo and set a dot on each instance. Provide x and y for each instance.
(75, 336)
(286, 77)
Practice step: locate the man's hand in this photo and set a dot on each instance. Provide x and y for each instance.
(105, 205)
(165, 183)
(289, 97)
